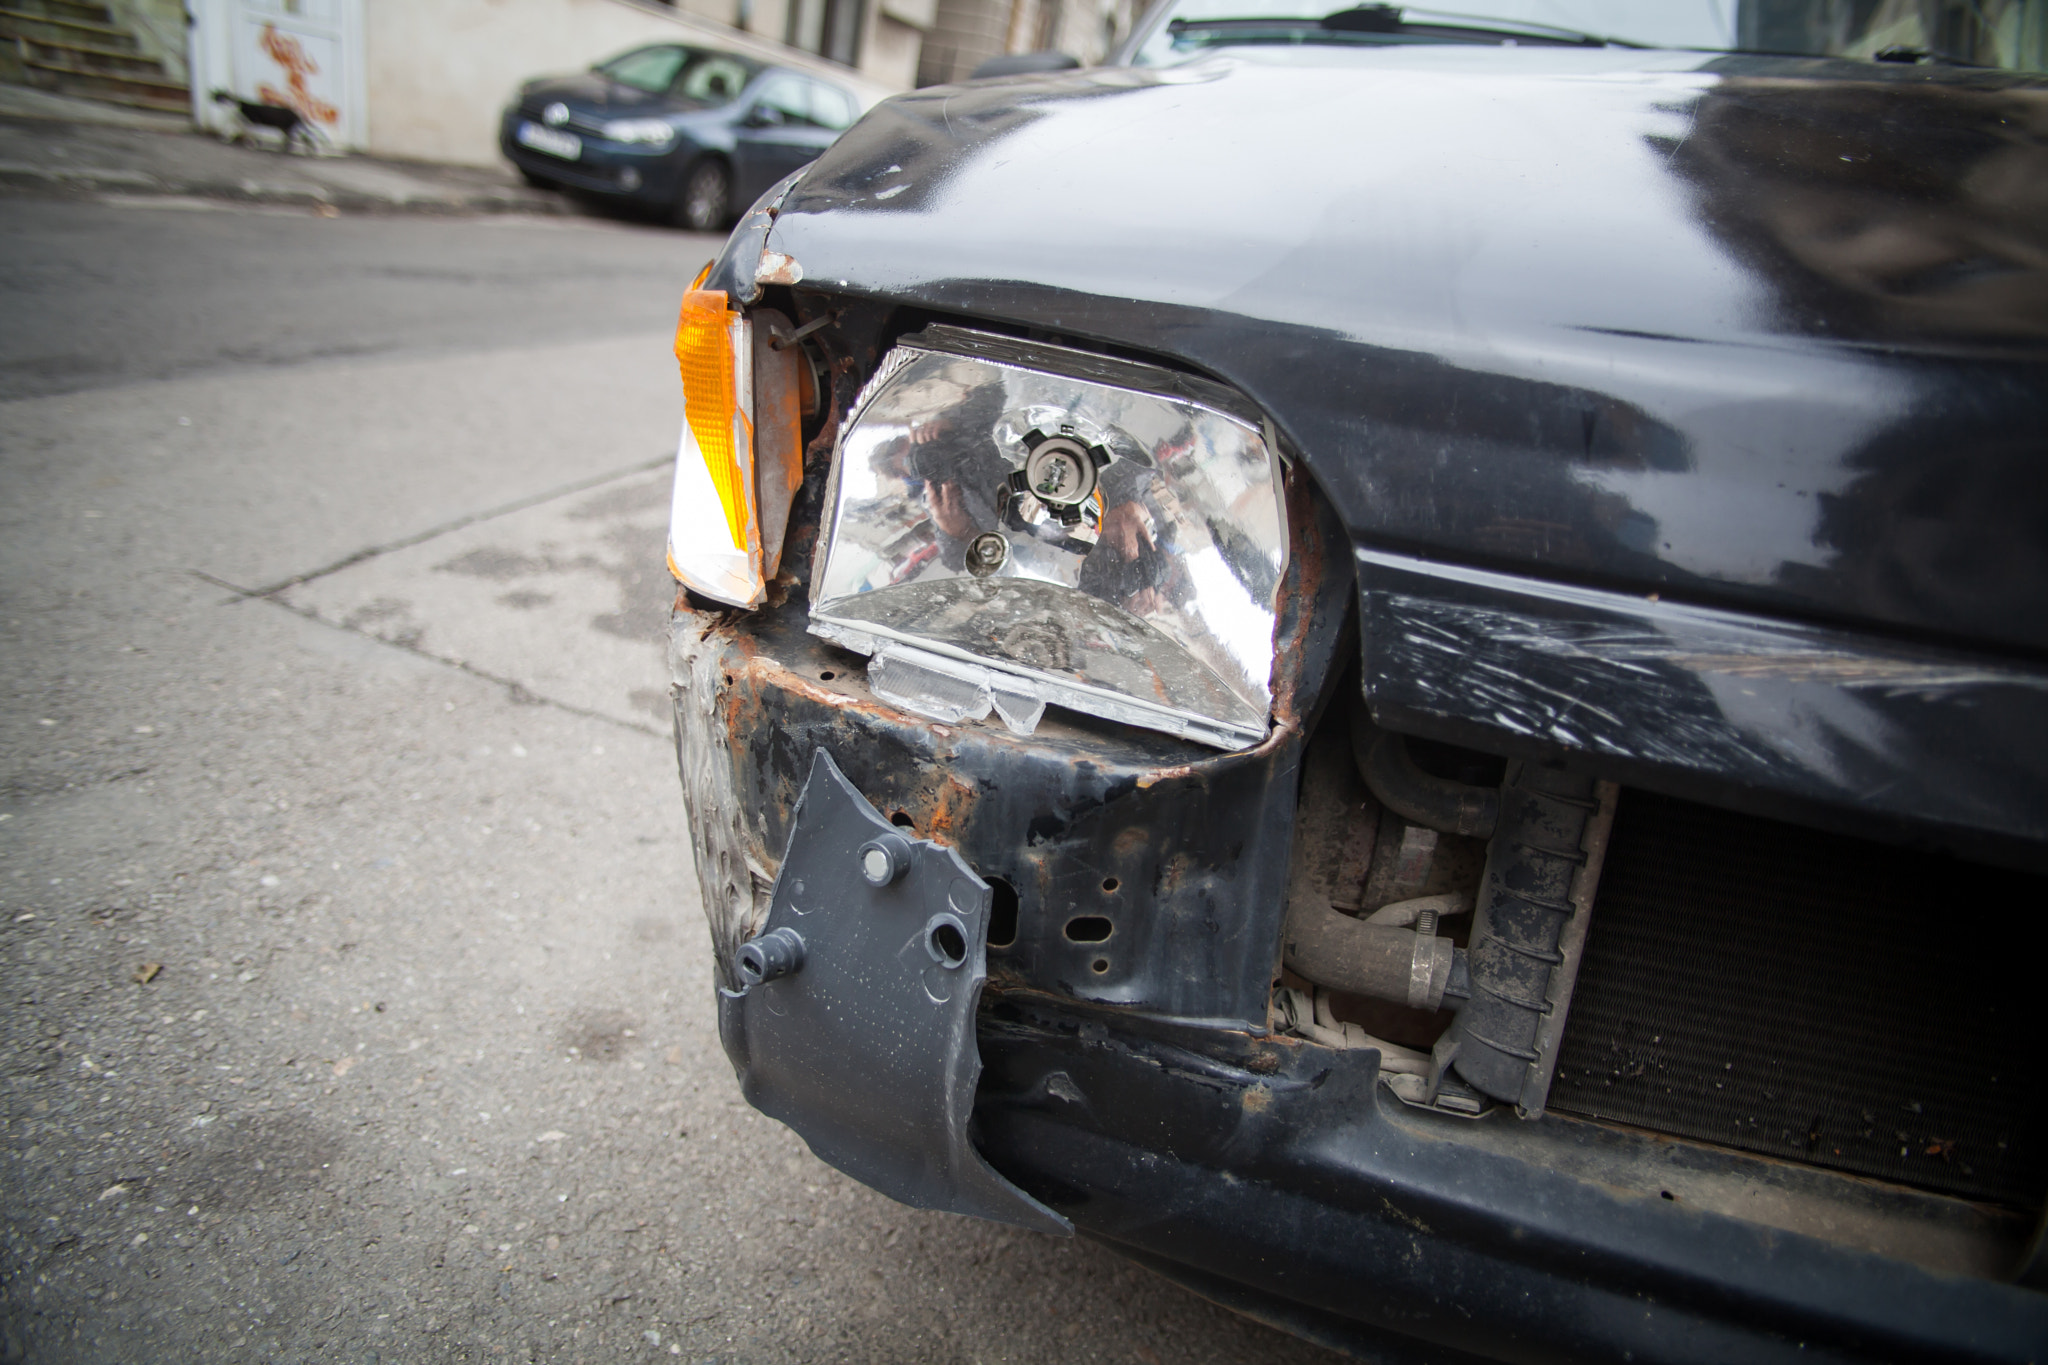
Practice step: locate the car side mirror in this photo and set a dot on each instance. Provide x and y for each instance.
(764, 116)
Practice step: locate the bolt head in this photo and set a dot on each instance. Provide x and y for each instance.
(986, 553)
(874, 865)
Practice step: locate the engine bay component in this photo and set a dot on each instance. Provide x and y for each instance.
(785, 396)
(1012, 524)
(1433, 802)
(1529, 931)
(1377, 956)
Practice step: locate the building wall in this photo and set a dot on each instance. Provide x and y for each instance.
(966, 33)
(890, 53)
(440, 71)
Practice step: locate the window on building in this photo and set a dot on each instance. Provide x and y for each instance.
(830, 28)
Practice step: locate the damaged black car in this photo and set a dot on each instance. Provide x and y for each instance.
(1439, 729)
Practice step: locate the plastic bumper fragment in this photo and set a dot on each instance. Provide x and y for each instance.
(866, 1047)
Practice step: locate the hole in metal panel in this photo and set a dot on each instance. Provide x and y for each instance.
(1002, 914)
(950, 944)
(1089, 929)
(902, 820)
(1110, 883)
(1101, 965)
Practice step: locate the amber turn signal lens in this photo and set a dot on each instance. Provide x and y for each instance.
(711, 402)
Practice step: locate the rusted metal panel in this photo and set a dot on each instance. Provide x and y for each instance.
(1182, 851)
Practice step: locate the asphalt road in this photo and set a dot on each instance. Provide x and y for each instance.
(356, 1003)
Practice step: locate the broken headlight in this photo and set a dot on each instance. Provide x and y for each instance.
(1013, 524)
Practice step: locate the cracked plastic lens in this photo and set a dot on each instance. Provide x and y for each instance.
(1014, 524)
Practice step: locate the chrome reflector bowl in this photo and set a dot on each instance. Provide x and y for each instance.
(1013, 524)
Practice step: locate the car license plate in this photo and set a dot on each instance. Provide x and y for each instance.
(567, 146)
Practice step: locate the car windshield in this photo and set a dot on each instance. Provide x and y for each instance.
(705, 78)
(2012, 34)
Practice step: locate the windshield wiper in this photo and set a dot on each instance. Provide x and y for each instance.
(1393, 21)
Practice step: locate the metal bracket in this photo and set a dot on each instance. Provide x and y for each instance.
(866, 1045)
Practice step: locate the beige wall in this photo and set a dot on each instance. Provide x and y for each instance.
(440, 71)
(890, 53)
(965, 33)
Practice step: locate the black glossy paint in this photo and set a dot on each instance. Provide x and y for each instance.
(1729, 706)
(1769, 333)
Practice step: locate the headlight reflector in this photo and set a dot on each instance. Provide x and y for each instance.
(1012, 524)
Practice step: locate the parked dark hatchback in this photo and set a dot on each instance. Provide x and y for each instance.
(1437, 730)
(691, 131)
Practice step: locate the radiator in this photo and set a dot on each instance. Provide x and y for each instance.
(1817, 998)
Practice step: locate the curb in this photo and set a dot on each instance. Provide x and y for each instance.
(248, 191)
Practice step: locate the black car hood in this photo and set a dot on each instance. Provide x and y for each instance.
(1767, 332)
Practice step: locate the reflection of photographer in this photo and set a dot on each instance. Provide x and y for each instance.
(953, 455)
(1127, 566)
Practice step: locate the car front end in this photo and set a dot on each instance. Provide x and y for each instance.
(630, 157)
(1442, 759)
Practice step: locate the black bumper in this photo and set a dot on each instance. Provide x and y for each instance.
(1287, 1172)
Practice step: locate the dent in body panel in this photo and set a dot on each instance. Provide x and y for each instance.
(733, 869)
(1809, 712)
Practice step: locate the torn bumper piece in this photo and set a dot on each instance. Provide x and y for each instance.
(855, 1023)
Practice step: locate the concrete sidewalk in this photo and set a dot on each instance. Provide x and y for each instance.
(56, 143)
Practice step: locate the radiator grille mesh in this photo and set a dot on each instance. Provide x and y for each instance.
(1813, 997)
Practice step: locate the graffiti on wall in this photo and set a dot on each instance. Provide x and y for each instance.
(290, 55)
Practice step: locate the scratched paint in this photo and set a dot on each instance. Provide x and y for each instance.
(1806, 711)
